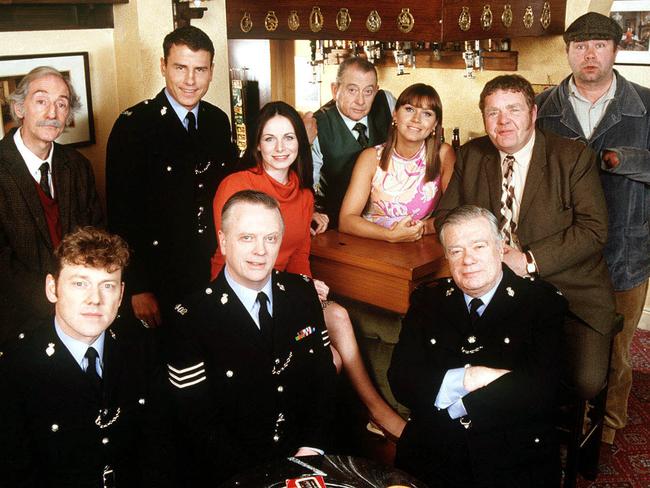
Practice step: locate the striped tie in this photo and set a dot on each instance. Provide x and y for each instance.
(508, 226)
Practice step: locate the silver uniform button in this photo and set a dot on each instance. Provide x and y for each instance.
(208, 291)
(155, 243)
(280, 388)
(276, 438)
(21, 335)
(169, 168)
(200, 185)
(432, 341)
(55, 427)
(142, 401)
(506, 340)
(229, 374)
(105, 440)
(200, 231)
(536, 440)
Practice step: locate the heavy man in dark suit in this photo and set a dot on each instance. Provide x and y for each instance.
(46, 190)
(548, 195)
(249, 355)
(476, 363)
(81, 405)
(165, 159)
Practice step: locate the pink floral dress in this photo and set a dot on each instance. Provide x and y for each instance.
(401, 191)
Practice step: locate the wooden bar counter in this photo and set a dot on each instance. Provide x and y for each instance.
(375, 272)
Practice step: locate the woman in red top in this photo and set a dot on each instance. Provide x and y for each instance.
(279, 163)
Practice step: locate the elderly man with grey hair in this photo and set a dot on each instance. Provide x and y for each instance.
(476, 363)
(46, 191)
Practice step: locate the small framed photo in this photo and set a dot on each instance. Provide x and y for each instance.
(75, 65)
(634, 18)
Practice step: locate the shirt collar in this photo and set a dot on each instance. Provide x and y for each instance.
(522, 157)
(181, 112)
(248, 296)
(32, 161)
(486, 298)
(351, 123)
(606, 97)
(78, 348)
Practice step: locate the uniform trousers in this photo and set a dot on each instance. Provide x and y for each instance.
(629, 304)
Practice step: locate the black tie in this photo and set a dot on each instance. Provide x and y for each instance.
(265, 319)
(191, 125)
(91, 370)
(363, 138)
(474, 305)
(44, 182)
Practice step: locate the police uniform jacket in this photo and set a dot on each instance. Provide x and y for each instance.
(506, 439)
(242, 401)
(58, 430)
(26, 248)
(159, 189)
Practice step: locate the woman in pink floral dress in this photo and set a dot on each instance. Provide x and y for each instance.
(396, 186)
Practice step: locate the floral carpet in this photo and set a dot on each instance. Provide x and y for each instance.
(626, 464)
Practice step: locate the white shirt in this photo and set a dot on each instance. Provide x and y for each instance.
(590, 114)
(33, 162)
(520, 172)
(78, 349)
(248, 297)
(316, 153)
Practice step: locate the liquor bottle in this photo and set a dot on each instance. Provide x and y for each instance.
(455, 140)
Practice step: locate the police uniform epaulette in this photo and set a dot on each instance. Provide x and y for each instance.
(545, 285)
(142, 109)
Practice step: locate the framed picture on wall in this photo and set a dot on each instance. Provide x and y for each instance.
(634, 18)
(74, 65)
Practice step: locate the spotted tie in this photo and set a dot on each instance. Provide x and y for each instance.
(363, 137)
(507, 225)
(44, 182)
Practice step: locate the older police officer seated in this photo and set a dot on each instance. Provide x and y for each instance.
(477, 365)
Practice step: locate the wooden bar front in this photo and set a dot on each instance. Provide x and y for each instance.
(375, 272)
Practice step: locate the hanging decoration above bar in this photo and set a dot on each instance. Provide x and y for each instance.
(408, 20)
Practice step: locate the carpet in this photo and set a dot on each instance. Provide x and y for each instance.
(626, 464)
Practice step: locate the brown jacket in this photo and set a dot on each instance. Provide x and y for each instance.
(562, 220)
(26, 250)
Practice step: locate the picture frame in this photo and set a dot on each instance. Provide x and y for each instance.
(74, 65)
(634, 18)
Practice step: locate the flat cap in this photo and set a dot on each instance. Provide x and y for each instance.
(593, 26)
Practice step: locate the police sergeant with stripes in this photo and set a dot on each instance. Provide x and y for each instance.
(249, 357)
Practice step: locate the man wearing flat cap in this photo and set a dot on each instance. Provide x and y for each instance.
(596, 105)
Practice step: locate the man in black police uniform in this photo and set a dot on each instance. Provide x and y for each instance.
(165, 159)
(81, 406)
(249, 356)
(477, 365)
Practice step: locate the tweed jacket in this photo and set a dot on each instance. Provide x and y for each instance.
(26, 250)
(58, 430)
(509, 438)
(240, 400)
(625, 129)
(159, 190)
(562, 220)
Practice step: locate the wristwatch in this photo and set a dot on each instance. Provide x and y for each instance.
(531, 267)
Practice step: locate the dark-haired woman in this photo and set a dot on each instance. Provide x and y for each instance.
(278, 162)
(396, 186)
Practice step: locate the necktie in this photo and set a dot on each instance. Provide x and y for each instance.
(91, 370)
(508, 226)
(265, 319)
(44, 181)
(474, 305)
(363, 138)
(191, 125)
